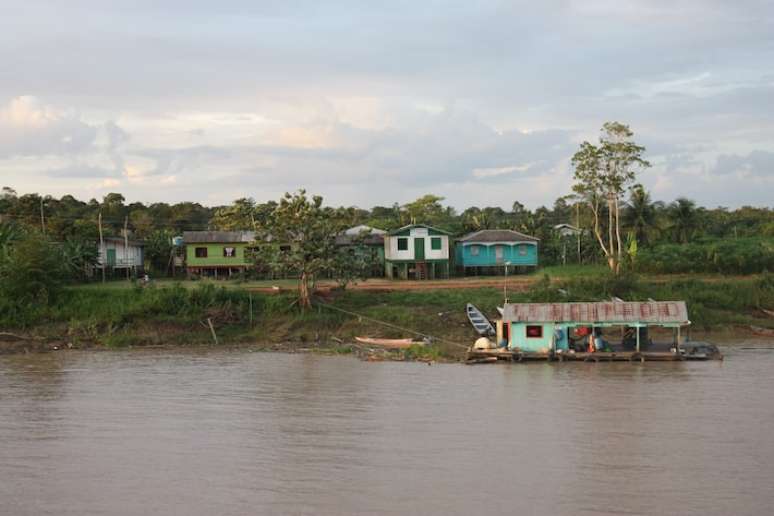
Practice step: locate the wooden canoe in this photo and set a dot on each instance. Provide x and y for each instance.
(479, 321)
(389, 343)
(764, 332)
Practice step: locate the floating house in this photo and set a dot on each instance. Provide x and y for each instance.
(574, 331)
(365, 239)
(491, 250)
(217, 253)
(118, 254)
(417, 252)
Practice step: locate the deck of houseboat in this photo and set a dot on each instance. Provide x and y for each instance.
(657, 353)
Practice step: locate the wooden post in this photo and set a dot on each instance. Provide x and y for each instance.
(250, 298)
(212, 329)
(637, 330)
(126, 245)
(102, 249)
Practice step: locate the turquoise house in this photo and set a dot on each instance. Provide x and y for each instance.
(490, 250)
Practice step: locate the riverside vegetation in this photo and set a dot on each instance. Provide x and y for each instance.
(95, 316)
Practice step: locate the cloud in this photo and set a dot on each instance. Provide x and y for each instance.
(29, 128)
(754, 164)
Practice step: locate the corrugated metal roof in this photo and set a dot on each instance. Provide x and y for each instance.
(412, 226)
(666, 312)
(497, 235)
(217, 237)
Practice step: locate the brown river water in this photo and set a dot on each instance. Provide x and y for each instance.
(211, 432)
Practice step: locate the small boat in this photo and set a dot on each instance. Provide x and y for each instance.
(763, 332)
(390, 343)
(479, 321)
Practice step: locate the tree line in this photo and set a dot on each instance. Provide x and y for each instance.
(622, 225)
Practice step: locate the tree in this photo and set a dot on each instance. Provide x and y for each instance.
(603, 173)
(299, 235)
(425, 210)
(684, 219)
(240, 216)
(640, 214)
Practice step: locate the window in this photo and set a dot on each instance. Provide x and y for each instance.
(534, 332)
(229, 252)
(403, 244)
(522, 250)
(474, 250)
(201, 252)
(435, 243)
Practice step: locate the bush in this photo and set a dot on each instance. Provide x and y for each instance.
(738, 256)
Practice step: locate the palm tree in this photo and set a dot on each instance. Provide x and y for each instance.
(684, 217)
(640, 214)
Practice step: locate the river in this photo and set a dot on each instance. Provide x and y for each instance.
(211, 432)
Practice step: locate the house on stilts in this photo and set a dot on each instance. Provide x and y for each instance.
(416, 251)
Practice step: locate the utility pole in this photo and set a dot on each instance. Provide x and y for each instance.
(102, 250)
(126, 245)
(42, 217)
(577, 226)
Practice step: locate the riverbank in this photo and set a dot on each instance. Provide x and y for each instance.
(174, 315)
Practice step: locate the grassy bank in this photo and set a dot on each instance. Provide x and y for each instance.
(177, 315)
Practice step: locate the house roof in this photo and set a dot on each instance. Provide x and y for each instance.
(412, 226)
(363, 229)
(497, 235)
(136, 243)
(217, 237)
(656, 312)
(370, 236)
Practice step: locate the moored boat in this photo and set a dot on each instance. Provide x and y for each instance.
(389, 343)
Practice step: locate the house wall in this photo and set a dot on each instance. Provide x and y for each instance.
(132, 256)
(487, 256)
(520, 340)
(392, 253)
(215, 256)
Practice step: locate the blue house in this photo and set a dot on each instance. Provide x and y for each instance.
(491, 250)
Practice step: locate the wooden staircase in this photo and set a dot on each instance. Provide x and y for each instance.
(421, 270)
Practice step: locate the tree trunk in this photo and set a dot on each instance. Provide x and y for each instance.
(304, 295)
(618, 236)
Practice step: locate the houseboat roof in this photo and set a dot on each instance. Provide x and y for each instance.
(412, 226)
(652, 312)
(497, 235)
(217, 237)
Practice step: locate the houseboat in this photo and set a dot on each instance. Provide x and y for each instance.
(596, 331)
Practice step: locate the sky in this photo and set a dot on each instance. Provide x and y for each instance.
(372, 103)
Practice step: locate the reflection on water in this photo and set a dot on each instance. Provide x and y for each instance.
(232, 433)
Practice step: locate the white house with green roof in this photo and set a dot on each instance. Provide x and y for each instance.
(416, 251)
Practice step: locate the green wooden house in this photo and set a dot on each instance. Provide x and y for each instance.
(368, 240)
(416, 251)
(217, 253)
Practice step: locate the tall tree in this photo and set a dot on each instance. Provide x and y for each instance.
(300, 235)
(603, 173)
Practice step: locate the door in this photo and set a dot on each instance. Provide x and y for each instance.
(419, 248)
(111, 257)
(499, 254)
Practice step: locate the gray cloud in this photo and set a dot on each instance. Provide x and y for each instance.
(505, 88)
(756, 163)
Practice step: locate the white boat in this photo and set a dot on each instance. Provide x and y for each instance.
(479, 321)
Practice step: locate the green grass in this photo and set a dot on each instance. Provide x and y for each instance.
(165, 313)
(573, 271)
